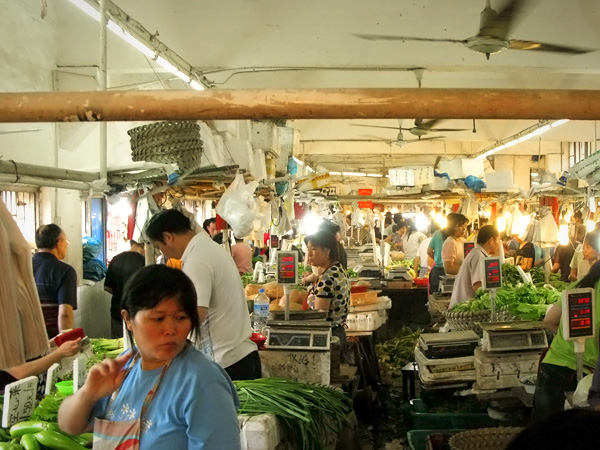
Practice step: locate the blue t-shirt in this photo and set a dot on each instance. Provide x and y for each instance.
(436, 243)
(195, 406)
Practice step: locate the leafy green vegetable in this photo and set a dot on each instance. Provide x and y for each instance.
(399, 350)
(525, 301)
(351, 273)
(312, 415)
(47, 410)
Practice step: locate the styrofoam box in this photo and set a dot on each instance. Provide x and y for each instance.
(261, 432)
(265, 136)
(499, 180)
(229, 126)
(289, 144)
(461, 168)
(411, 176)
(242, 153)
(260, 168)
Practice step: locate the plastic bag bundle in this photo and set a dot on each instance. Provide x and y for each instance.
(237, 206)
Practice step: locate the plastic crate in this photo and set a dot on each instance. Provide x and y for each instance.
(422, 419)
(364, 298)
(417, 439)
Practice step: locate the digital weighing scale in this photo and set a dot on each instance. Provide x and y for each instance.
(299, 335)
(368, 270)
(579, 321)
(467, 247)
(398, 273)
(447, 283)
(448, 345)
(513, 336)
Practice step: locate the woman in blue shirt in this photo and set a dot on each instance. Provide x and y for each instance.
(164, 393)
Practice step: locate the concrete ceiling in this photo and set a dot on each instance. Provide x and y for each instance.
(312, 44)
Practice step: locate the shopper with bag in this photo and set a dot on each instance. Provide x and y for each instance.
(163, 393)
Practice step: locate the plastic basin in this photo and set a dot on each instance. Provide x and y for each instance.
(65, 387)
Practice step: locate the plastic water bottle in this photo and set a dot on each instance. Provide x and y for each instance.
(261, 311)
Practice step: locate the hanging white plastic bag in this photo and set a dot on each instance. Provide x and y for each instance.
(237, 206)
(548, 229)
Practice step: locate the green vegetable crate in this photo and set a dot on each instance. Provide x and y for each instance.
(422, 419)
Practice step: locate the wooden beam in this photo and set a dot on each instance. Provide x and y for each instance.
(300, 104)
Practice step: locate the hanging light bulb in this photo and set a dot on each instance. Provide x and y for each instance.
(394, 210)
(590, 225)
(563, 233)
(501, 224)
(487, 213)
(441, 220)
(568, 217)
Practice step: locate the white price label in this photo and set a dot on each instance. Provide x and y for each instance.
(19, 401)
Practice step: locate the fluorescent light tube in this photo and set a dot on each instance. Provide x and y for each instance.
(87, 8)
(374, 175)
(335, 173)
(197, 86)
(112, 26)
(559, 122)
(297, 160)
(171, 68)
(354, 174)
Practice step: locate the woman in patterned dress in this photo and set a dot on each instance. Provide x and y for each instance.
(331, 291)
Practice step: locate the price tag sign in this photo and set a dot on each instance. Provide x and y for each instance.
(468, 246)
(19, 401)
(492, 273)
(51, 379)
(79, 371)
(578, 313)
(287, 267)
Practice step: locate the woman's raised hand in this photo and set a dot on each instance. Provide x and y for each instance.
(106, 377)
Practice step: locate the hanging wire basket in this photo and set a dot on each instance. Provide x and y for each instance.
(497, 438)
(168, 142)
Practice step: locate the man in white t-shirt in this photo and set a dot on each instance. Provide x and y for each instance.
(470, 275)
(579, 266)
(225, 331)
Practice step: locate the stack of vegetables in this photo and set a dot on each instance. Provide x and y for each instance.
(41, 430)
(526, 301)
(311, 415)
(398, 351)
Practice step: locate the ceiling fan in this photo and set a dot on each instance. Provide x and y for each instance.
(400, 141)
(494, 29)
(420, 129)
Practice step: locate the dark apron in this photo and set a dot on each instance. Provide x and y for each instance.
(124, 435)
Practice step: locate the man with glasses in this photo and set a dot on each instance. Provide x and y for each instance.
(56, 281)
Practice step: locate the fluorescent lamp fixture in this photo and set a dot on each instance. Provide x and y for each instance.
(310, 169)
(421, 222)
(112, 26)
(87, 8)
(511, 143)
(335, 173)
(354, 174)
(297, 160)
(171, 68)
(563, 233)
(559, 122)
(197, 86)
(535, 174)
(501, 224)
(374, 175)
(534, 182)
(441, 220)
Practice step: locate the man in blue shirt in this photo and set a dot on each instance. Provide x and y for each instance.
(56, 281)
